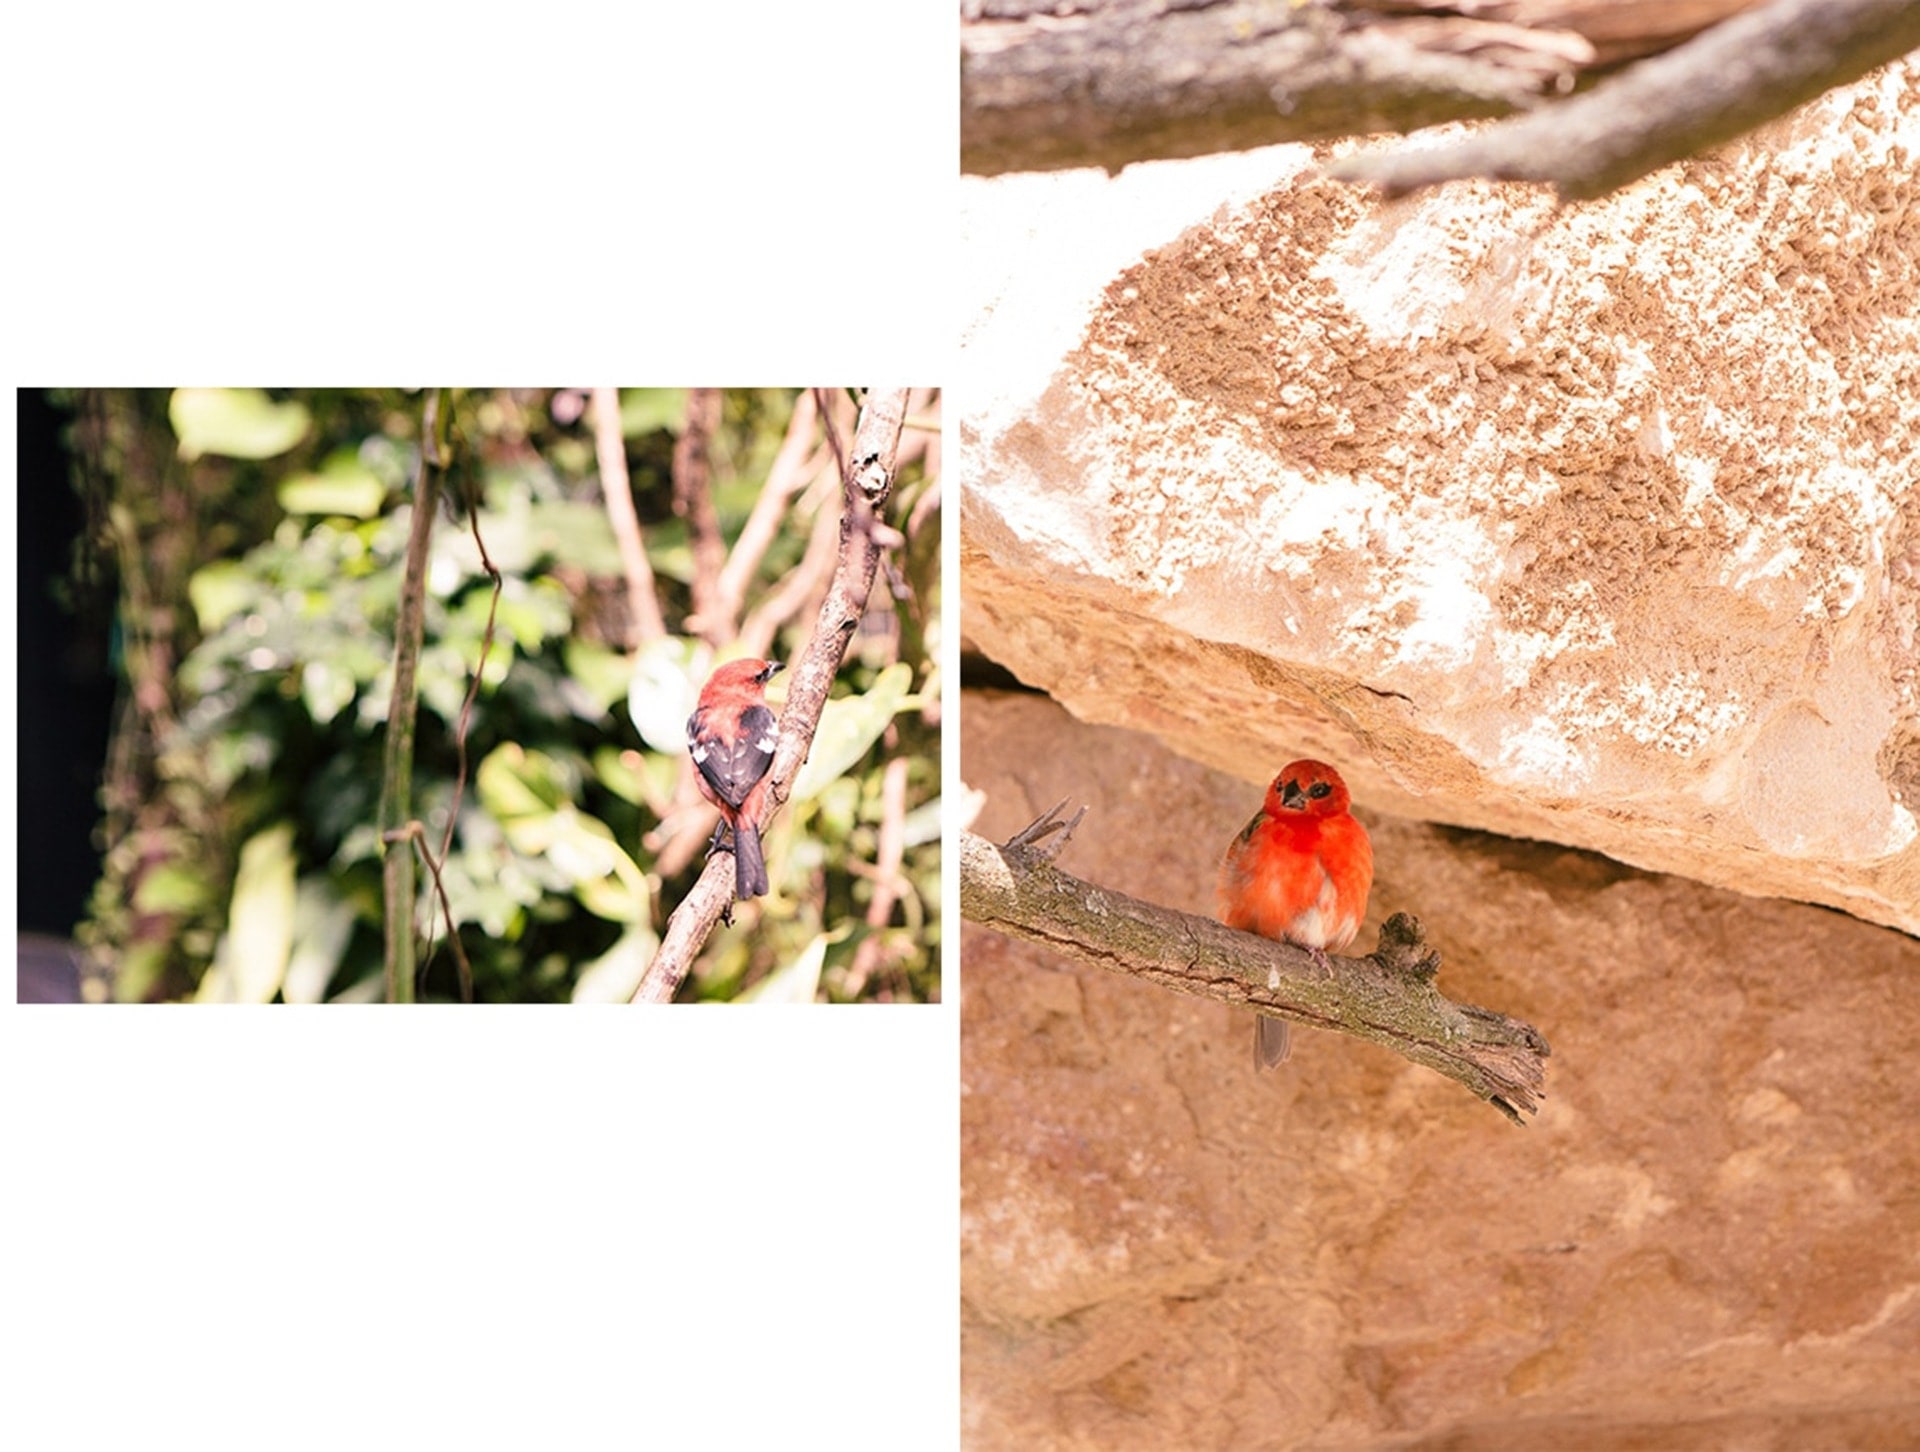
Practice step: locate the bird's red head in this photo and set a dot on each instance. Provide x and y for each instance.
(1307, 788)
(743, 673)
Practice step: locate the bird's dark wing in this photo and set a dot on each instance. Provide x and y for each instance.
(733, 766)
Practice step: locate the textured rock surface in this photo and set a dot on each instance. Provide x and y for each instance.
(1709, 1238)
(1600, 526)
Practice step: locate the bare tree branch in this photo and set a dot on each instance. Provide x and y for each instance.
(1722, 84)
(889, 885)
(866, 483)
(409, 631)
(616, 489)
(802, 583)
(1608, 30)
(1046, 84)
(1119, 81)
(1389, 998)
(797, 462)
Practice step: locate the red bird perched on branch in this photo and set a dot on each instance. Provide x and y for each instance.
(1299, 872)
(732, 735)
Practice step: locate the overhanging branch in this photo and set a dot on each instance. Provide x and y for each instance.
(1119, 81)
(1754, 68)
(1046, 84)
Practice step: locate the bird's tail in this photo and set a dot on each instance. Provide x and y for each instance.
(749, 867)
(1272, 1042)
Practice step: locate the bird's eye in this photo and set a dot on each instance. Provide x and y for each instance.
(1318, 789)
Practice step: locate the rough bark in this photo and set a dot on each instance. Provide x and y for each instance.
(1106, 84)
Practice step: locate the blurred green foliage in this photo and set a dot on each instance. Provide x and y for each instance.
(260, 542)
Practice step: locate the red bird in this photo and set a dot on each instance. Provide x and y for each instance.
(732, 735)
(1299, 872)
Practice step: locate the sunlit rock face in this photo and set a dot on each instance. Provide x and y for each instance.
(1596, 525)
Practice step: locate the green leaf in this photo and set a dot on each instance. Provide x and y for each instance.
(371, 989)
(642, 410)
(604, 878)
(141, 968)
(603, 673)
(921, 825)
(837, 808)
(220, 591)
(251, 961)
(848, 728)
(799, 981)
(670, 552)
(514, 782)
(531, 613)
(343, 486)
(620, 896)
(619, 775)
(322, 923)
(171, 888)
(612, 977)
(530, 796)
(326, 689)
(574, 533)
(240, 423)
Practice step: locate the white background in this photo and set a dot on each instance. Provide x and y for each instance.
(495, 1227)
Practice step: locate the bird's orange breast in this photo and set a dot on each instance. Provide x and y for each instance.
(1304, 880)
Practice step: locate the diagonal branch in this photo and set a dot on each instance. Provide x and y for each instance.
(1389, 998)
(805, 583)
(616, 489)
(867, 480)
(1757, 66)
(794, 466)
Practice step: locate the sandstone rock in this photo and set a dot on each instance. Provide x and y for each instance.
(1707, 1239)
(1597, 525)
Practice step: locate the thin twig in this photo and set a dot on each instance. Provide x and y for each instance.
(1388, 998)
(610, 449)
(415, 833)
(460, 748)
(796, 463)
(867, 480)
(801, 584)
(1044, 826)
(473, 685)
(889, 884)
